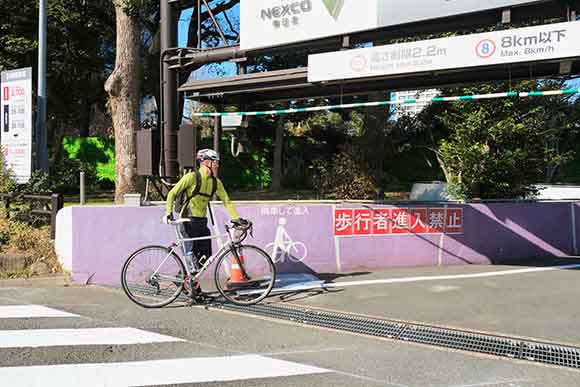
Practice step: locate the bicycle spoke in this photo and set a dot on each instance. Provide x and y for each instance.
(237, 288)
(153, 272)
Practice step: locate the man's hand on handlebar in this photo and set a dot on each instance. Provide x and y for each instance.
(167, 219)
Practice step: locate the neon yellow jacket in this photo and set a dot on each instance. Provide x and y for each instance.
(198, 204)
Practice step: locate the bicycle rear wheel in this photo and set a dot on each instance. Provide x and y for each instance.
(153, 277)
(231, 280)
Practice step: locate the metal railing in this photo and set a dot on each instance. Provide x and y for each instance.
(46, 206)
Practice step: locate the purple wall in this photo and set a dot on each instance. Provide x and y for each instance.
(103, 237)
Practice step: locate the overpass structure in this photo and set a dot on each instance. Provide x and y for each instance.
(353, 48)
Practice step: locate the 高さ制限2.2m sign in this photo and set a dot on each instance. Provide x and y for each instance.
(552, 41)
(270, 23)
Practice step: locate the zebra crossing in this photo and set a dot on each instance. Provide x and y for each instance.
(131, 373)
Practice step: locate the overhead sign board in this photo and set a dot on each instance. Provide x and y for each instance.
(553, 41)
(16, 122)
(270, 23)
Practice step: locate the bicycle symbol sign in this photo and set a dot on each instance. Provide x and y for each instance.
(284, 248)
(485, 48)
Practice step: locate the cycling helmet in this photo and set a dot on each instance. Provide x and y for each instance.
(208, 154)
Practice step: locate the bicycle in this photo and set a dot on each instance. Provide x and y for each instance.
(284, 247)
(243, 274)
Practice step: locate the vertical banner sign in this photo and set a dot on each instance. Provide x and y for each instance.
(16, 122)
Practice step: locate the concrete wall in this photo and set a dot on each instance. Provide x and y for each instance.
(93, 242)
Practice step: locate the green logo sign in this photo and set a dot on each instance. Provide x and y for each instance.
(334, 7)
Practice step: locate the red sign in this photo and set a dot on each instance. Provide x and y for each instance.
(363, 222)
(418, 224)
(436, 220)
(381, 222)
(454, 224)
(401, 221)
(398, 221)
(343, 222)
(6, 93)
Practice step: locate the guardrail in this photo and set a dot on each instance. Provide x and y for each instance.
(41, 205)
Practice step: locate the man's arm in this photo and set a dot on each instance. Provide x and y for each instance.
(223, 196)
(183, 184)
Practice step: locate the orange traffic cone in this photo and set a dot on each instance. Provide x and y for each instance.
(237, 276)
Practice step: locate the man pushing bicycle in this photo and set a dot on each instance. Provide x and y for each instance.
(194, 191)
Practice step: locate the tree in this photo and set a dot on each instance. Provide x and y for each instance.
(497, 148)
(123, 87)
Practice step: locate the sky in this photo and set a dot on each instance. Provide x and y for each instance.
(206, 72)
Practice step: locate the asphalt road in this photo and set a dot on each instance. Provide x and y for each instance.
(109, 341)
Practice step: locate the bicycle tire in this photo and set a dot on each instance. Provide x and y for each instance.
(132, 291)
(294, 258)
(260, 269)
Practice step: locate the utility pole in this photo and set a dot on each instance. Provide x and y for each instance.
(168, 90)
(41, 147)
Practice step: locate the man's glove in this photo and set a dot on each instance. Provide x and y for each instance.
(167, 219)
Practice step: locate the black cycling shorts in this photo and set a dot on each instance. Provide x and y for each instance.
(195, 229)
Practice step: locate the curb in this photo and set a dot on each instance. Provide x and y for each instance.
(49, 281)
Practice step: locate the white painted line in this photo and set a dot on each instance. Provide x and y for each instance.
(159, 372)
(574, 244)
(427, 278)
(34, 338)
(31, 311)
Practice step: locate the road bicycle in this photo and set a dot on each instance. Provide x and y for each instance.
(155, 276)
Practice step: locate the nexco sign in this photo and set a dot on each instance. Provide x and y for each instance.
(269, 23)
(292, 9)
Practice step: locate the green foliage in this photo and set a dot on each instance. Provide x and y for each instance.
(250, 170)
(94, 156)
(346, 176)
(499, 146)
(7, 182)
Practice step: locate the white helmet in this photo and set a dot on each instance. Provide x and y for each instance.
(208, 154)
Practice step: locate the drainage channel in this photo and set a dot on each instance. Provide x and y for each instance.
(514, 348)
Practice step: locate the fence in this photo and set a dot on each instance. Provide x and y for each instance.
(46, 206)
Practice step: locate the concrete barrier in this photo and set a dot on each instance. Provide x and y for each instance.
(93, 242)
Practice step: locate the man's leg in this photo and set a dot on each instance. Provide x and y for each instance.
(197, 228)
(201, 248)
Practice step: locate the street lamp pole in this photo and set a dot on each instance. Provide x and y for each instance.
(41, 146)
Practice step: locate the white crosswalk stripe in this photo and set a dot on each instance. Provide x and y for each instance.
(31, 311)
(65, 337)
(158, 372)
(134, 373)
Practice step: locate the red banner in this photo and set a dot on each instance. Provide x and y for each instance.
(398, 221)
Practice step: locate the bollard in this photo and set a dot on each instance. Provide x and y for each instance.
(82, 188)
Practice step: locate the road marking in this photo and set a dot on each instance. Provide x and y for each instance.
(67, 337)
(31, 311)
(424, 278)
(158, 372)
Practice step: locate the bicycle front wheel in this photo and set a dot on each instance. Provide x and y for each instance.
(153, 277)
(247, 281)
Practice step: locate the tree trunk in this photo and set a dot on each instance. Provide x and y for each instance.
(278, 150)
(123, 88)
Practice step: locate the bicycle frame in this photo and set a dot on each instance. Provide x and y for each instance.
(233, 245)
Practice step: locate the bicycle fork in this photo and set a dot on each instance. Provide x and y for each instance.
(241, 264)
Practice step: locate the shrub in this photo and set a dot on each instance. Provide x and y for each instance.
(7, 182)
(345, 176)
(35, 243)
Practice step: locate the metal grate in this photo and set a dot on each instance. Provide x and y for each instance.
(441, 337)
